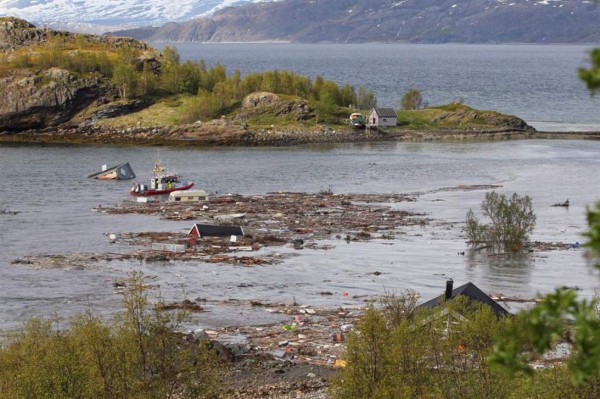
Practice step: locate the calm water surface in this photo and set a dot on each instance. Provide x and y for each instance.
(535, 82)
(48, 185)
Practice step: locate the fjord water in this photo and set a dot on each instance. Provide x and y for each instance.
(48, 185)
(535, 82)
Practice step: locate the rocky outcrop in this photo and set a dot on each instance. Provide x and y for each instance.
(264, 102)
(47, 98)
(16, 33)
(41, 98)
(471, 117)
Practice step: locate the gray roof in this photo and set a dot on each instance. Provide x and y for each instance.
(471, 291)
(386, 112)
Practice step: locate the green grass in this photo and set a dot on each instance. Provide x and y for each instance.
(166, 112)
(448, 116)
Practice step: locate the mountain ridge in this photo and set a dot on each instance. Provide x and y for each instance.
(94, 16)
(409, 21)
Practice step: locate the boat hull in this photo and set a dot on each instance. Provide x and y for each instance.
(165, 191)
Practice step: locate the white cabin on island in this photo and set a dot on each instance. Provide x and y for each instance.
(382, 117)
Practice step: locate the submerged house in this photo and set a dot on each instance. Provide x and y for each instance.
(188, 196)
(471, 292)
(208, 230)
(382, 117)
(122, 171)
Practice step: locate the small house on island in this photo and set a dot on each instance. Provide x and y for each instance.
(207, 230)
(382, 117)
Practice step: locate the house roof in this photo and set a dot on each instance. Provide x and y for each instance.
(207, 230)
(385, 112)
(472, 292)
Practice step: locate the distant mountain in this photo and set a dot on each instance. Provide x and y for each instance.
(99, 16)
(415, 21)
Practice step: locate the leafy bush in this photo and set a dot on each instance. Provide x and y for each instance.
(430, 353)
(591, 75)
(511, 221)
(560, 317)
(138, 354)
(412, 99)
(443, 353)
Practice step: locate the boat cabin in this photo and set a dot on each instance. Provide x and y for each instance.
(188, 196)
(164, 182)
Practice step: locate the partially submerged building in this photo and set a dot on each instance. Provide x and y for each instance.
(471, 292)
(188, 196)
(122, 171)
(208, 230)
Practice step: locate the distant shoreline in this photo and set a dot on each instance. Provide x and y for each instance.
(191, 135)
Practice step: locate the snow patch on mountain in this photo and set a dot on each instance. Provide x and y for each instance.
(103, 15)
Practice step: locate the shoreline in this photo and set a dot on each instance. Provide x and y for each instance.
(232, 135)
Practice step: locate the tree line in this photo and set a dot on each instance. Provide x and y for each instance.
(216, 91)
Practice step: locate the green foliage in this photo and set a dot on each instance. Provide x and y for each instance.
(79, 61)
(171, 56)
(125, 79)
(511, 221)
(205, 106)
(433, 353)
(365, 99)
(444, 352)
(560, 317)
(217, 92)
(324, 106)
(412, 99)
(591, 75)
(138, 354)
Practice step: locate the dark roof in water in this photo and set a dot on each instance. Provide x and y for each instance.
(471, 291)
(386, 112)
(207, 230)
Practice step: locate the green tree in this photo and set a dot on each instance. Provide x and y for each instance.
(560, 316)
(347, 96)
(591, 75)
(170, 56)
(412, 99)
(189, 78)
(325, 106)
(365, 98)
(148, 80)
(511, 221)
(125, 79)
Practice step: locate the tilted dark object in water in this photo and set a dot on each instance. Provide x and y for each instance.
(118, 172)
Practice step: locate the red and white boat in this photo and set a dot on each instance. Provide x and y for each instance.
(162, 183)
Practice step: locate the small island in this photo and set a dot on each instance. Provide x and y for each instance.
(61, 87)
